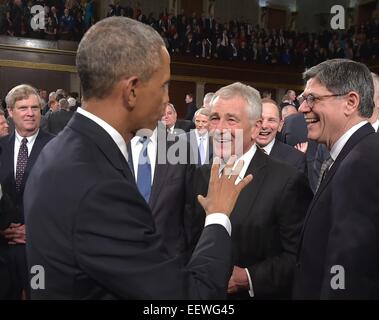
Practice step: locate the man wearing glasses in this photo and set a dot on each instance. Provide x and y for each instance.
(338, 256)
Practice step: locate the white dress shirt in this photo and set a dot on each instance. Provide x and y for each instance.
(340, 143)
(136, 146)
(375, 125)
(114, 134)
(17, 145)
(268, 148)
(214, 218)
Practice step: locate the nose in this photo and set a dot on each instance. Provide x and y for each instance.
(30, 112)
(304, 108)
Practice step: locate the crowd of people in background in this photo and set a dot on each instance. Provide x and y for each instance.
(201, 36)
(64, 20)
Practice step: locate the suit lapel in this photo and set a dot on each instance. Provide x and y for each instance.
(275, 149)
(249, 193)
(160, 176)
(8, 162)
(354, 139)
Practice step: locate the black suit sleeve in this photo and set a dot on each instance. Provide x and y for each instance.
(275, 274)
(121, 250)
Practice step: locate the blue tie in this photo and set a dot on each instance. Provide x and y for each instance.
(144, 170)
(201, 151)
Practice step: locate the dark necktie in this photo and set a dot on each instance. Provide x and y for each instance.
(144, 170)
(22, 161)
(324, 170)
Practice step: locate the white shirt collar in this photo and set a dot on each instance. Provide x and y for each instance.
(153, 139)
(205, 135)
(30, 139)
(115, 135)
(375, 125)
(246, 157)
(338, 146)
(269, 147)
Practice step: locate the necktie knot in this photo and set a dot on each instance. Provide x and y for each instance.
(144, 140)
(24, 141)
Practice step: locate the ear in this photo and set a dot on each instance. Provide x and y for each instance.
(352, 103)
(10, 112)
(281, 122)
(257, 126)
(129, 92)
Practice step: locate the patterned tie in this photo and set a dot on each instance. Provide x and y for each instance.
(324, 170)
(144, 170)
(22, 161)
(201, 151)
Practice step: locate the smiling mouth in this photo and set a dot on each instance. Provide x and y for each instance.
(310, 120)
(264, 134)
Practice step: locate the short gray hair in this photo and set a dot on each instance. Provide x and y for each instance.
(248, 93)
(21, 92)
(375, 79)
(63, 104)
(208, 97)
(202, 111)
(341, 76)
(113, 49)
(168, 104)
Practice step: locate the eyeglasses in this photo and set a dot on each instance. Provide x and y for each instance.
(311, 99)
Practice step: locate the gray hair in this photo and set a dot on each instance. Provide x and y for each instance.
(63, 104)
(21, 92)
(248, 93)
(207, 98)
(113, 49)
(168, 104)
(340, 76)
(375, 79)
(202, 111)
(52, 96)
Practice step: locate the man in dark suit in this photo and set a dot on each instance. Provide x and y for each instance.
(88, 224)
(268, 215)
(338, 255)
(20, 151)
(200, 142)
(175, 126)
(191, 106)
(58, 120)
(271, 124)
(169, 179)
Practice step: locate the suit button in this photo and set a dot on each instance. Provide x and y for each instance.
(297, 264)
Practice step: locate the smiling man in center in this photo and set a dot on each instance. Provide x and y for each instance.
(268, 215)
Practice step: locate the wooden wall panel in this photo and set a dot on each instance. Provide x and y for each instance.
(41, 79)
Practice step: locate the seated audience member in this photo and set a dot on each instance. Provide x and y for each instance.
(174, 126)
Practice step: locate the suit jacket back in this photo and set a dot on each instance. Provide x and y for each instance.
(95, 235)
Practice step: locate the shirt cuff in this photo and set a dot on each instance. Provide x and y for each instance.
(251, 290)
(219, 218)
